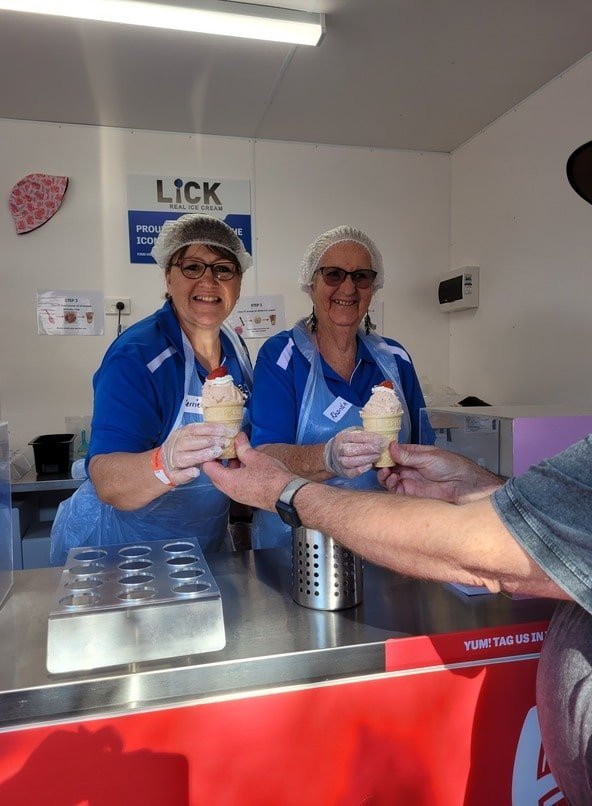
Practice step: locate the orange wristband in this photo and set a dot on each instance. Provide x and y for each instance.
(158, 467)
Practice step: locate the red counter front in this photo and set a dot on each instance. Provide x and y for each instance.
(452, 721)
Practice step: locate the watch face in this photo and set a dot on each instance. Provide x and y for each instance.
(288, 514)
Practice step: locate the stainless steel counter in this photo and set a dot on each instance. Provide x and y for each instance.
(33, 482)
(271, 641)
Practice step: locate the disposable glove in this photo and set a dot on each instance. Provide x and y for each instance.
(352, 452)
(188, 447)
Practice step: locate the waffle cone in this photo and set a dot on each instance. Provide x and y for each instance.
(230, 414)
(382, 424)
(223, 413)
(389, 426)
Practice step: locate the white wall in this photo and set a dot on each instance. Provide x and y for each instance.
(400, 198)
(514, 214)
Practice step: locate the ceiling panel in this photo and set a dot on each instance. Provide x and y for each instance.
(407, 74)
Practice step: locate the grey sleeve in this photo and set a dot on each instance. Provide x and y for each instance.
(548, 510)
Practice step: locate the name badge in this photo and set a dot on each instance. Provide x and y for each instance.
(338, 409)
(192, 404)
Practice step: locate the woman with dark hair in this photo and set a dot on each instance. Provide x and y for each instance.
(148, 436)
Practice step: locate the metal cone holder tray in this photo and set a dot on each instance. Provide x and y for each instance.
(131, 603)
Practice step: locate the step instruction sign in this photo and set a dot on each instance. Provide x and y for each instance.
(258, 317)
(70, 313)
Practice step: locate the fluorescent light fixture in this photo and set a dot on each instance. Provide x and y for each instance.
(202, 16)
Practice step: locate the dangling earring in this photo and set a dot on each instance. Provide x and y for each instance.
(368, 324)
(313, 321)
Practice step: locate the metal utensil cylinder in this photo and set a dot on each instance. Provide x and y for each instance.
(325, 576)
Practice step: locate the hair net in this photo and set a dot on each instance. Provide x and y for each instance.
(314, 254)
(197, 228)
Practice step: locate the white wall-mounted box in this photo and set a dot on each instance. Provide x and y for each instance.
(459, 289)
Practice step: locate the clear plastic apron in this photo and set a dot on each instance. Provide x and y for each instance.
(196, 509)
(321, 416)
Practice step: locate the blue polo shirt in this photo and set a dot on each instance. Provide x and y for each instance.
(280, 376)
(138, 389)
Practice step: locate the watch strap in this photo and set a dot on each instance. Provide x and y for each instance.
(158, 467)
(290, 490)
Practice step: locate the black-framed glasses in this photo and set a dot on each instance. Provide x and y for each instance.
(194, 269)
(361, 278)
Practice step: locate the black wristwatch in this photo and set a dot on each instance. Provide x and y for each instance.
(285, 508)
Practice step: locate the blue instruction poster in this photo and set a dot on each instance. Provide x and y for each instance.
(152, 200)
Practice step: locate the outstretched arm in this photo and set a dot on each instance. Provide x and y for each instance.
(349, 453)
(427, 472)
(127, 480)
(418, 537)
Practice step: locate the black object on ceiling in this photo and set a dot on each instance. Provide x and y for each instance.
(579, 171)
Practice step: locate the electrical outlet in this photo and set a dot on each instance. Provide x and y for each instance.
(111, 306)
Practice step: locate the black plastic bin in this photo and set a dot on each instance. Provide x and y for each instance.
(54, 453)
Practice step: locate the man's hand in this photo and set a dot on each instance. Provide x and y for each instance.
(258, 481)
(427, 472)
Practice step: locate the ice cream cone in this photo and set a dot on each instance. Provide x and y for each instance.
(230, 414)
(389, 426)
